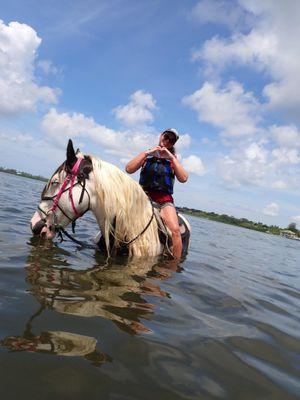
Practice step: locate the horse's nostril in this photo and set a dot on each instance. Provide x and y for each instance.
(37, 228)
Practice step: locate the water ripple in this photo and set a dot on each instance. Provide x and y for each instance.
(223, 325)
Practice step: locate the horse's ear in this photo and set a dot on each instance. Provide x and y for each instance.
(79, 154)
(71, 156)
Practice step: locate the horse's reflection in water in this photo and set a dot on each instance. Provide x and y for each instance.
(118, 292)
(57, 342)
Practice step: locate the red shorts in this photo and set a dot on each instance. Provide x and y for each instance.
(160, 197)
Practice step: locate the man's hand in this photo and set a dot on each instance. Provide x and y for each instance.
(160, 152)
(151, 152)
(165, 153)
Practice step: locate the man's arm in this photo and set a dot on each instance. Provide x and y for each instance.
(179, 171)
(136, 163)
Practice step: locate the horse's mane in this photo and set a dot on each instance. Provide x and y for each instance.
(126, 209)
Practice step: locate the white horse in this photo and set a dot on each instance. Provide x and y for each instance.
(125, 215)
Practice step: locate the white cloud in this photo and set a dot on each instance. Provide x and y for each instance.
(194, 165)
(61, 126)
(231, 109)
(213, 11)
(271, 46)
(124, 144)
(39, 154)
(47, 67)
(257, 164)
(261, 155)
(17, 138)
(296, 219)
(18, 88)
(238, 169)
(183, 142)
(286, 136)
(286, 156)
(271, 209)
(254, 49)
(256, 153)
(138, 111)
(279, 185)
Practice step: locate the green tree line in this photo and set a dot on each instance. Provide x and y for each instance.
(21, 173)
(243, 222)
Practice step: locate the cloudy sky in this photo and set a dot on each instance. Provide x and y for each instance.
(111, 74)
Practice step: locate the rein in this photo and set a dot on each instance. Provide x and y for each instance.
(143, 231)
(79, 242)
(96, 247)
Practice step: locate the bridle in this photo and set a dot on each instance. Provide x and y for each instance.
(68, 185)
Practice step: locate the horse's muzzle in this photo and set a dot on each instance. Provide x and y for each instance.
(38, 227)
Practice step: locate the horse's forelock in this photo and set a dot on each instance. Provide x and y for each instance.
(58, 171)
(63, 167)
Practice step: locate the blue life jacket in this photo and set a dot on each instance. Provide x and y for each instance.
(157, 174)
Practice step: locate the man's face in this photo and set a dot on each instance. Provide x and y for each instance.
(167, 140)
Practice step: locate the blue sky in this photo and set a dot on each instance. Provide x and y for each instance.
(112, 75)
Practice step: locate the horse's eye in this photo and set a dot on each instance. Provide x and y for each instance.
(54, 183)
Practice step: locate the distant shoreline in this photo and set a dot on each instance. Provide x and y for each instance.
(230, 220)
(23, 174)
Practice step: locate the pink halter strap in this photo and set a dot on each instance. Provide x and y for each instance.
(69, 178)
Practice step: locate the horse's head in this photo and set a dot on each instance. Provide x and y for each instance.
(65, 197)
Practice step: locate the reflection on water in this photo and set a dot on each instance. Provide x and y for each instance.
(59, 343)
(109, 290)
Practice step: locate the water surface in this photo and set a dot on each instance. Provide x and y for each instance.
(224, 324)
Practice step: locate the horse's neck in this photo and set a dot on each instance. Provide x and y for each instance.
(94, 203)
(120, 204)
(98, 212)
